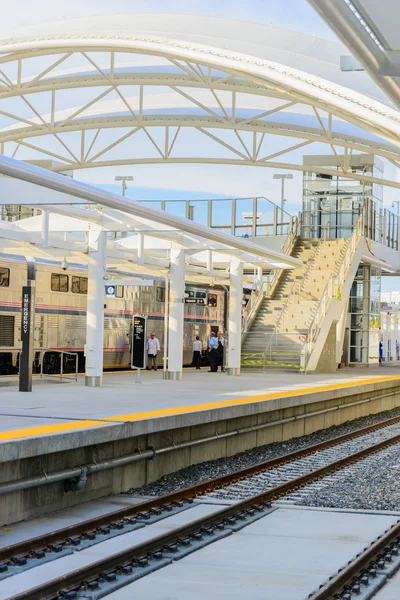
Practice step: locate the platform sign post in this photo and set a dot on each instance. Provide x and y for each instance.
(27, 328)
(138, 350)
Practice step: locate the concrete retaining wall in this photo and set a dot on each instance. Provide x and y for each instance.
(46, 454)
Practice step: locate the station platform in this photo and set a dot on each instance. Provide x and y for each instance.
(160, 426)
(58, 408)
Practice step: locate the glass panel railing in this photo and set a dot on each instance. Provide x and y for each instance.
(242, 217)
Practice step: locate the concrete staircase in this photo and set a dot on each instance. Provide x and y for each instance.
(277, 335)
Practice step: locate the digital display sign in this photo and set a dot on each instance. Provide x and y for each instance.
(138, 351)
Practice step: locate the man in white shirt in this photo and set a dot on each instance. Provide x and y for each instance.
(152, 347)
(197, 348)
(222, 345)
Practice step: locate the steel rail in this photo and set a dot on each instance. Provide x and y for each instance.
(29, 546)
(206, 525)
(362, 563)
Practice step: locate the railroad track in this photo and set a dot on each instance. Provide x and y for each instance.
(126, 566)
(367, 572)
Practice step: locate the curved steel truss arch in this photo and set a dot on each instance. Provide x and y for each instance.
(203, 89)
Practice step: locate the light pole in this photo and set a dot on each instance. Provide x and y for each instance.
(124, 179)
(282, 177)
(396, 203)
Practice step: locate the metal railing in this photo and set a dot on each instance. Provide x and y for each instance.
(286, 248)
(243, 217)
(379, 224)
(332, 290)
(310, 266)
(62, 352)
(295, 291)
(282, 349)
(41, 352)
(251, 308)
(257, 296)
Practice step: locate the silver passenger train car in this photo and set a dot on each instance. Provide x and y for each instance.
(60, 316)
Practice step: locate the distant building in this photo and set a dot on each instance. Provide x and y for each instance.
(390, 332)
(390, 297)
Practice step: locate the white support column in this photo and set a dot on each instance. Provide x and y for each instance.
(235, 317)
(209, 263)
(176, 314)
(140, 250)
(95, 309)
(45, 228)
(259, 278)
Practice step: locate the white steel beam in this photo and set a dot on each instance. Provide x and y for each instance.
(35, 175)
(391, 150)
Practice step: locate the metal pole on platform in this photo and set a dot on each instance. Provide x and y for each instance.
(27, 327)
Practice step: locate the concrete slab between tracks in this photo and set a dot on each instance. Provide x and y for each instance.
(177, 424)
(284, 556)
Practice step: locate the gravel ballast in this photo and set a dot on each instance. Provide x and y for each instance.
(210, 469)
(371, 484)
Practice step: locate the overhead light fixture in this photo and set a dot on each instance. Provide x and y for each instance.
(124, 179)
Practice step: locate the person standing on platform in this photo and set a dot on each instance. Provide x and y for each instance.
(222, 344)
(197, 348)
(152, 348)
(212, 353)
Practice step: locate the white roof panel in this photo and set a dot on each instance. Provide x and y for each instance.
(301, 51)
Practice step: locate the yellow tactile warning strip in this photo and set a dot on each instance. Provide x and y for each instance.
(139, 416)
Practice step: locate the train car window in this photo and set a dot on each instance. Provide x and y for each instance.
(212, 300)
(59, 282)
(83, 285)
(119, 292)
(79, 285)
(4, 277)
(160, 294)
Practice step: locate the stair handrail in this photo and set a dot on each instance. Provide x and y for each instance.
(332, 290)
(297, 286)
(251, 308)
(287, 334)
(285, 307)
(295, 290)
(286, 248)
(310, 265)
(257, 296)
